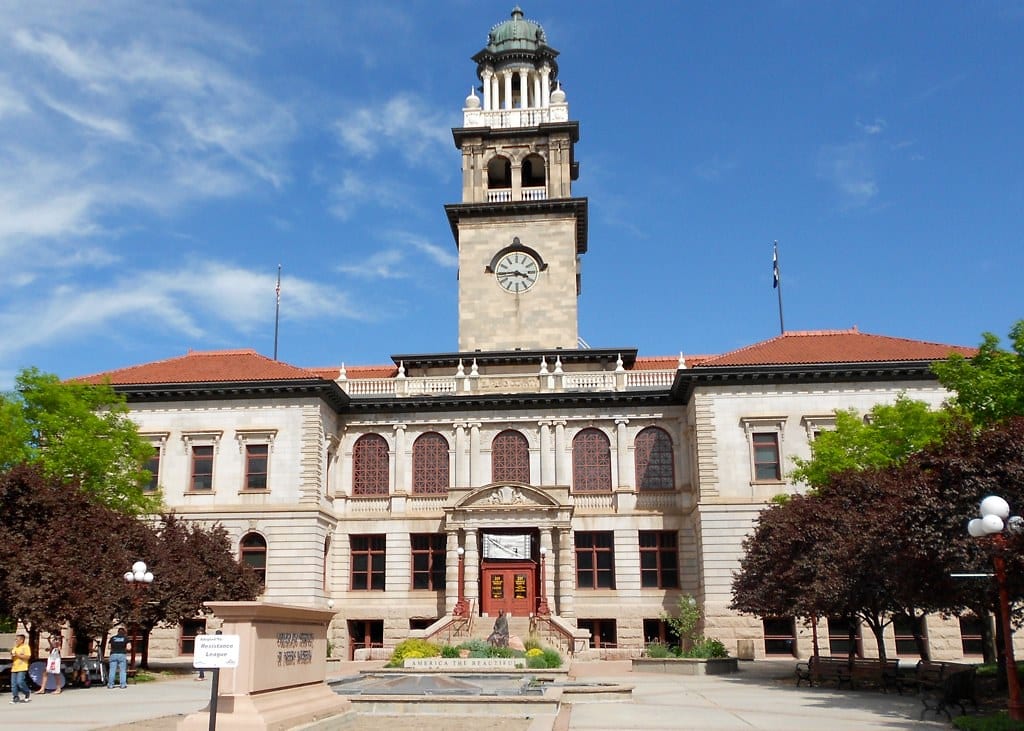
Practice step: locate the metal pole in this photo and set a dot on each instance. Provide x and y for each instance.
(135, 621)
(461, 606)
(777, 277)
(213, 698)
(277, 309)
(1012, 683)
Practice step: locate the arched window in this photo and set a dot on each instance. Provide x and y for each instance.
(533, 172)
(430, 465)
(253, 551)
(654, 460)
(510, 458)
(370, 474)
(499, 173)
(591, 462)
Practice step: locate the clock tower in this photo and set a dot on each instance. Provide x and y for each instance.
(519, 231)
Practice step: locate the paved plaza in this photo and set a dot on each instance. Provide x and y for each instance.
(761, 696)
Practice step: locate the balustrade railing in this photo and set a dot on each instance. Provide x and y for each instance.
(441, 385)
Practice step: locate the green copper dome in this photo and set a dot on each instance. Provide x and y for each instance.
(516, 34)
(517, 41)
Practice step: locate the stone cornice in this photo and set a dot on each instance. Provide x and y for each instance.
(573, 206)
(328, 391)
(511, 402)
(462, 134)
(689, 379)
(607, 356)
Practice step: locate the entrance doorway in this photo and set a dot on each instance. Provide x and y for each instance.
(510, 586)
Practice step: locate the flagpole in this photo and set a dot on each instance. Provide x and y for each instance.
(777, 283)
(277, 309)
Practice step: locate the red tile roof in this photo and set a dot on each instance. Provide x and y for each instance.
(212, 366)
(834, 346)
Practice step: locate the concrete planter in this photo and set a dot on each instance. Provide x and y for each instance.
(686, 665)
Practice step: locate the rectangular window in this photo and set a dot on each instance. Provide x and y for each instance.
(153, 467)
(595, 560)
(659, 559)
(658, 630)
(903, 629)
(971, 635)
(189, 629)
(368, 560)
(428, 568)
(779, 636)
(202, 468)
(256, 460)
(766, 457)
(602, 632)
(839, 636)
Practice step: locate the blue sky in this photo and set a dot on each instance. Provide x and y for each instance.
(158, 161)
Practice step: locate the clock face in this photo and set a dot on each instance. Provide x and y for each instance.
(516, 271)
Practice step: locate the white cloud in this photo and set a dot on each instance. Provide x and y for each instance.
(355, 190)
(443, 255)
(382, 265)
(404, 123)
(849, 169)
(199, 301)
(872, 128)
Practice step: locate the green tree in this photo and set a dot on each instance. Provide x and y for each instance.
(887, 437)
(990, 386)
(77, 433)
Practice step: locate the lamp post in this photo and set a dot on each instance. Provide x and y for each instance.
(461, 606)
(994, 521)
(138, 578)
(543, 610)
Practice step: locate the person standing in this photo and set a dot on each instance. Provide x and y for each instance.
(21, 654)
(118, 658)
(52, 666)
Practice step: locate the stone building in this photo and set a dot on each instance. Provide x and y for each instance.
(523, 472)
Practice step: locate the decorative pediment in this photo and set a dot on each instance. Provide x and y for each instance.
(507, 496)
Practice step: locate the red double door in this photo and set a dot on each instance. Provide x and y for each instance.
(509, 586)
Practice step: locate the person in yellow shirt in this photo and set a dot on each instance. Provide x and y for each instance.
(21, 654)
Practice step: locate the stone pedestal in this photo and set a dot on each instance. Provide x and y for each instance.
(282, 666)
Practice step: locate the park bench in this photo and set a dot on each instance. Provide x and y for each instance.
(854, 672)
(943, 685)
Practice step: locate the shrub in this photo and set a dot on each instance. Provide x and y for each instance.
(706, 647)
(995, 722)
(536, 662)
(502, 652)
(552, 659)
(449, 651)
(533, 643)
(534, 652)
(659, 650)
(413, 649)
(477, 648)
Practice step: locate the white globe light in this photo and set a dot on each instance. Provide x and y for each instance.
(139, 576)
(148, 577)
(975, 529)
(995, 505)
(139, 567)
(992, 524)
(129, 576)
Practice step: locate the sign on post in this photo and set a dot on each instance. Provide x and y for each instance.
(216, 651)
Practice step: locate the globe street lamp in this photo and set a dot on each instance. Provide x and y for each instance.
(992, 526)
(138, 578)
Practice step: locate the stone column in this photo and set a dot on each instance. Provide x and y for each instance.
(401, 488)
(508, 89)
(550, 568)
(524, 88)
(561, 472)
(461, 456)
(536, 89)
(475, 476)
(621, 452)
(485, 77)
(451, 571)
(547, 455)
(566, 574)
(472, 558)
(545, 85)
(495, 93)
